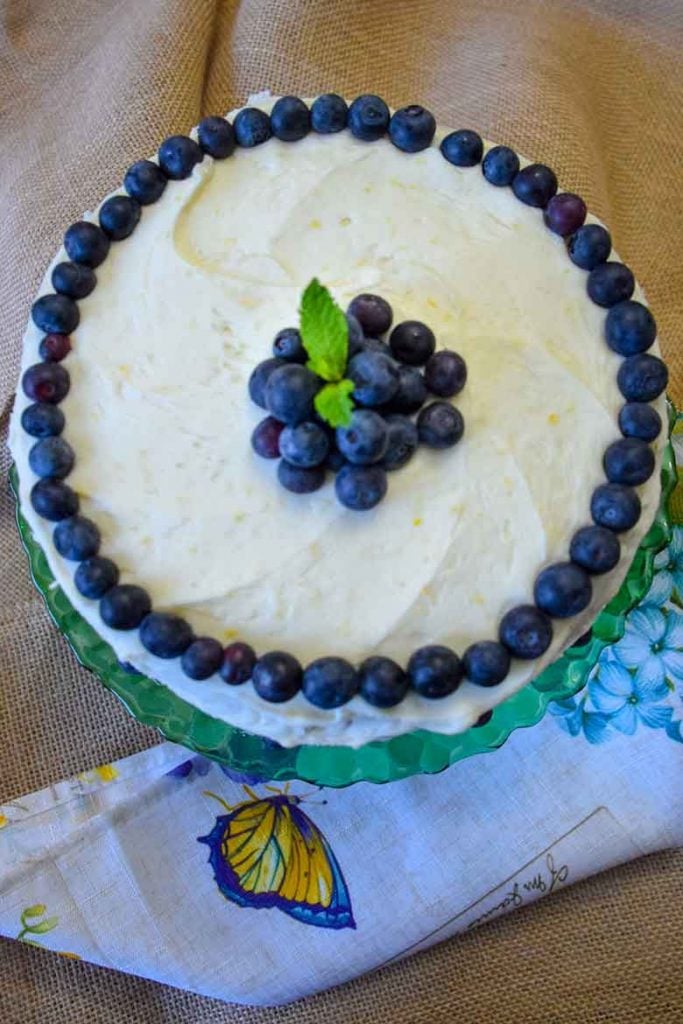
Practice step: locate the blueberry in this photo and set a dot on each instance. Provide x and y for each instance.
(562, 590)
(642, 378)
(238, 663)
(589, 246)
(595, 548)
(412, 342)
(277, 676)
(445, 373)
(76, 538)
(288, 345)
(402, 442)
(86, 243)
(217, 138)
(365, 439)
(375, 378)
(54, 500)
(368, 118)
(412, 129)
(360, 487)
(119, 217)
(298, 479)
(178, 155)
(73, 279)
(204, 656)
(628, 461)
(616, 507)
(165, 635)
(526, 632)
(376, 345)
(95, 576)
(265, 439)
(51, 457)
(54, 347)
(290, 119)
(440, 425)
(335, 460)
(145, 181)
(484, 718)
(329, 682)
(305, 445)
(55, 314)
(411, 393)
(486, 663)
(637, 419)
(46, 382)
(609, 283)
(42, 420)
(500, 166)
(289, 393)
(373, 313)
(630, 328)
(383, 683)
(329, 114)
(252, 127)
(125, 606)
(463, 148)
(435, 671)
(260, 377)
(356, 336)
(535, 185)
(565, 213)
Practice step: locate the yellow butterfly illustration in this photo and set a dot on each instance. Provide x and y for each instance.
(266, 852)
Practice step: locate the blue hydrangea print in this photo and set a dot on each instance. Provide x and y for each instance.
(667, 586)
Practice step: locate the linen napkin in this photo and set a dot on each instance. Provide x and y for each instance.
(127, 865)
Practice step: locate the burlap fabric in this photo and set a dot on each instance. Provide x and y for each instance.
(594, 88)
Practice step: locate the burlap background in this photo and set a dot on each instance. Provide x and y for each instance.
(593, 87)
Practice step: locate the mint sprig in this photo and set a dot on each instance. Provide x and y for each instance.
(334, 403)
(325, 336)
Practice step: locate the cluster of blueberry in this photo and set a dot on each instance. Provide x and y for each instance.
(388, 387)
(560, 590)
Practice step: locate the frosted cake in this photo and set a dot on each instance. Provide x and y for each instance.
(419, 541)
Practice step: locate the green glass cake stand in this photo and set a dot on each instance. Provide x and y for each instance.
(381, 761)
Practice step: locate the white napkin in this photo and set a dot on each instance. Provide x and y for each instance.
(107, 866)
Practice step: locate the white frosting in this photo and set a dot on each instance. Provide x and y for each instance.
(160, 418)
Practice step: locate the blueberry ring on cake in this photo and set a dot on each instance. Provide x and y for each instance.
(409, 551)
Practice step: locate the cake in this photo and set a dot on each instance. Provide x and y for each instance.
(483, 562)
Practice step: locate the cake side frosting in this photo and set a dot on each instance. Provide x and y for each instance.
(158, 417)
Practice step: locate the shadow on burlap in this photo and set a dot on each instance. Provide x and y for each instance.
(595, 89)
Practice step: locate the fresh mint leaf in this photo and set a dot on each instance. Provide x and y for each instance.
(334, 403)
(324, 332)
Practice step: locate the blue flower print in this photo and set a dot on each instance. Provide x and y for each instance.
(660, 591)
(668, 582)
(626, 700)
(652, 645)
(573, 717)
(639, 680)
